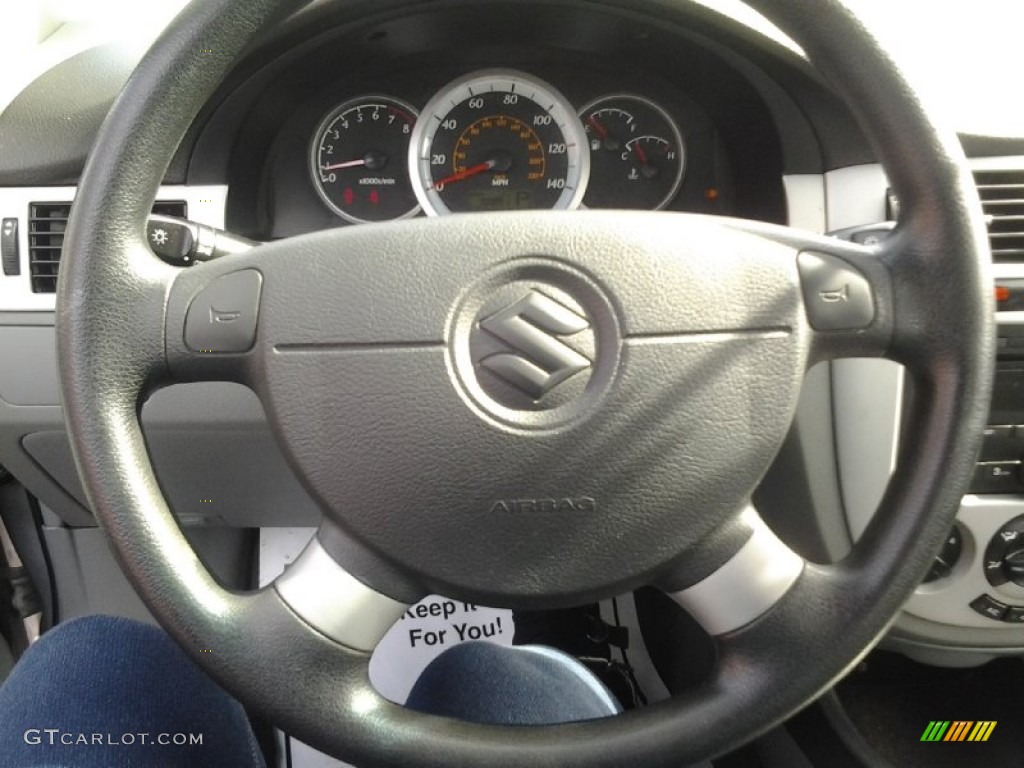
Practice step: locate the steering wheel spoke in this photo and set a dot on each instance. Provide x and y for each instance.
(334, 602)
(746, 586)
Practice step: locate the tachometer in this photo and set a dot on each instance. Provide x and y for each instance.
(358, 159)
(498, 140)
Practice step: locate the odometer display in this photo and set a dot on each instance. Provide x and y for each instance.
(498, 140)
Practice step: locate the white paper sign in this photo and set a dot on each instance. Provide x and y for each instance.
(427, 629)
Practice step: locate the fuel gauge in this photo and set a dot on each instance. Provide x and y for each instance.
(636, 153)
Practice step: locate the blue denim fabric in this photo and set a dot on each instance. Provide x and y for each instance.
(497, 685)
(119, 679)
(116, 679)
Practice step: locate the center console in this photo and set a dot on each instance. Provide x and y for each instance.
(970, 607)
(977, 580)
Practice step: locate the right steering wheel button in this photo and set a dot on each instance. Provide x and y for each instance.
(837, 296)
(222, 317)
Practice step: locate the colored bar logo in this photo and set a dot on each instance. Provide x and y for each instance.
(958, 730)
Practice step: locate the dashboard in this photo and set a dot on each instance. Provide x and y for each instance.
(453, 107)
(399, 117)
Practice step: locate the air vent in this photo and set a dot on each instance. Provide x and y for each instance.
(178, 208)
(46, 225)
(1002, 199)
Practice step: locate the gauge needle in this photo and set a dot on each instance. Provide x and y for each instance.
(640, 154)
(349, 164)
(466, 173)
(606, 141)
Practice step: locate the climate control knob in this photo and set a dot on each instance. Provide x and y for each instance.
(947, 557)
(1013, 566)
(1004, 555)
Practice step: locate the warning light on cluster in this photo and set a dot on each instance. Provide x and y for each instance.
(1010, 294)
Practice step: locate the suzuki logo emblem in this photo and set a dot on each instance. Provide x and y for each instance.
(531, 326)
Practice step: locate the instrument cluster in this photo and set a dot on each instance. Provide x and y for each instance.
(493, 140)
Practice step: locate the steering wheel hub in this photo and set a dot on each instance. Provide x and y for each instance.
(627, 373)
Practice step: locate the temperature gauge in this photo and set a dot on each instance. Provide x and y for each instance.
(358, 159)
(636, 153)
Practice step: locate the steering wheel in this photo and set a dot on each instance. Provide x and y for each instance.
(626, 457)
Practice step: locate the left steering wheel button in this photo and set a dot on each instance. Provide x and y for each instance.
(222, 317)
(837, 296)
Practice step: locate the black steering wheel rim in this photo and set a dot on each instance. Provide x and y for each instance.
(940, 328)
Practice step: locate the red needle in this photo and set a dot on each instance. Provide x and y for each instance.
(640, 153)
(466, 173)
(597, 127)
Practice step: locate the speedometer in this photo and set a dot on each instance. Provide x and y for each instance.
(498, 140)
